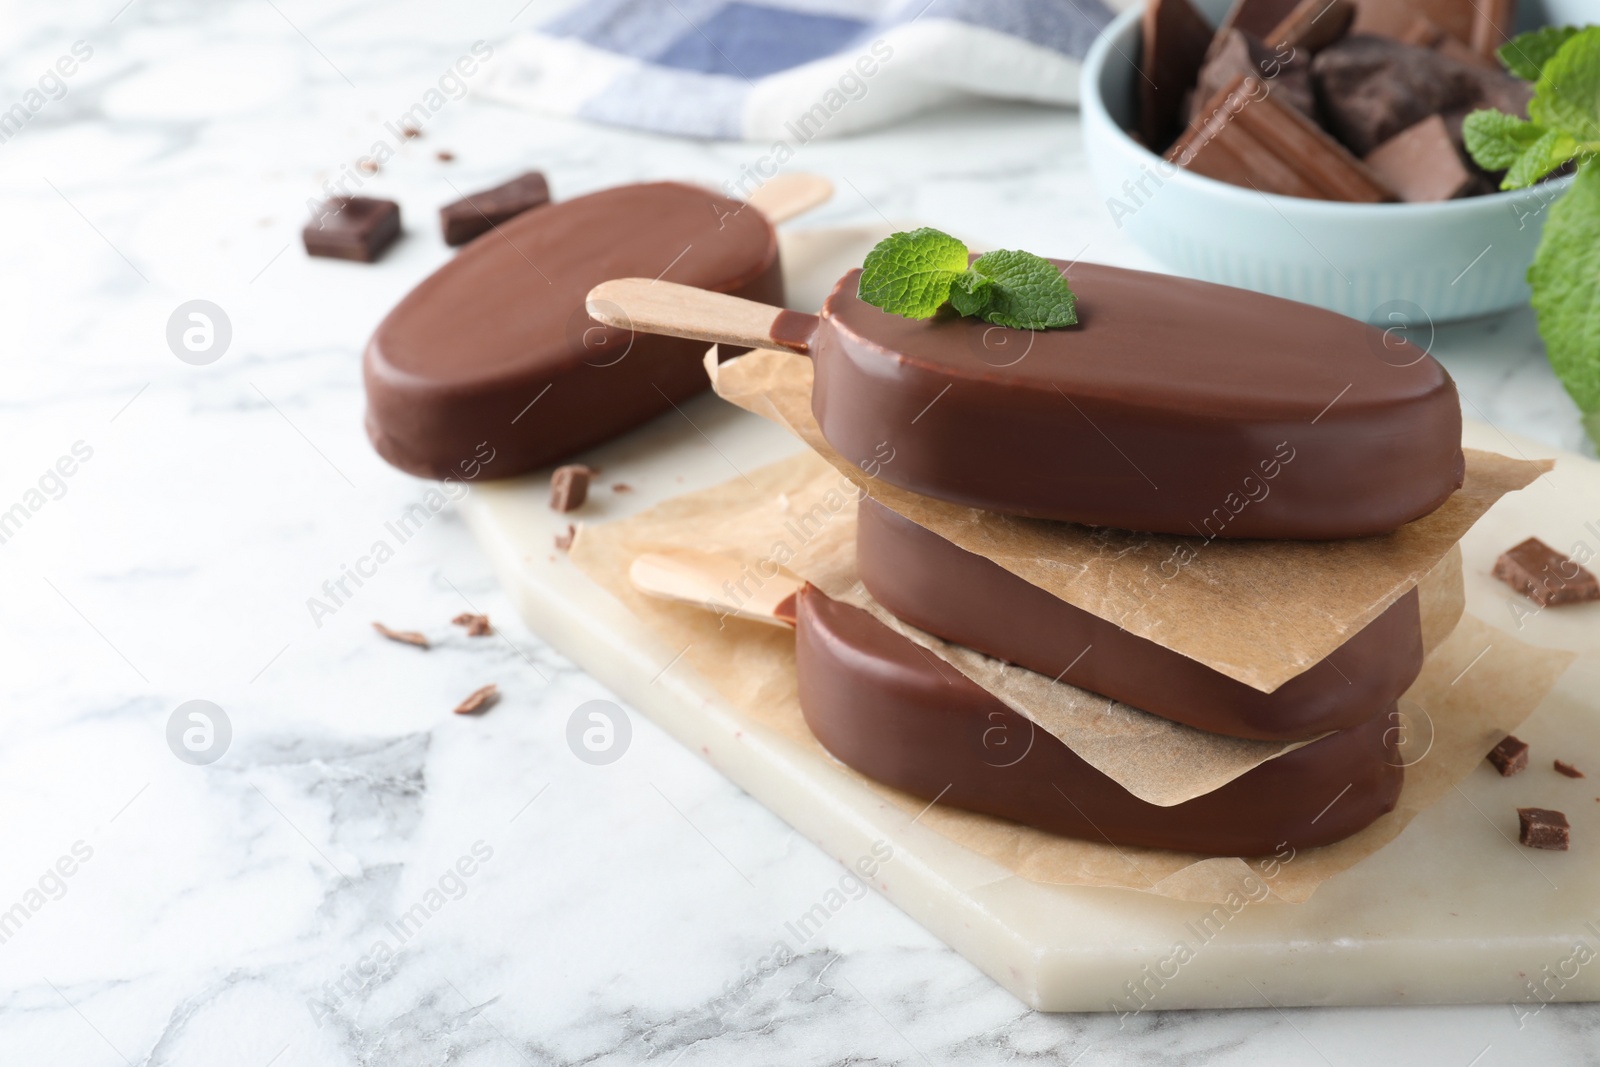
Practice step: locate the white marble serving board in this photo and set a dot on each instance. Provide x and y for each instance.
(1454, 911)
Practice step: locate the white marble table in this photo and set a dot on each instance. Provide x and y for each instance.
(262, 909)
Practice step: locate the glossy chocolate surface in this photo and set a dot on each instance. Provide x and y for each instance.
(1175, 406)
(878, 704)
(496, 345)
(958, 595)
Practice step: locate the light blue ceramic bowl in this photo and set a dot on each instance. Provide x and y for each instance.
(1453, 260)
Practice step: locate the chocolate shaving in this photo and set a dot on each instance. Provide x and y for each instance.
(475, 625)
(1543, 828)
(405, 637)
(1562, 767)
(480, 700)
(1510, 756)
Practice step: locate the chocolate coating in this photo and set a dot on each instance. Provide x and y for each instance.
(462, 357)
(962, 597)
(1175, 406)
(877, 704)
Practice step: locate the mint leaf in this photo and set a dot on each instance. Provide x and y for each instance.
(911, 273)
(1497, 140)
(1566, 292)
(1526, 54)
(1567, 96)
(1551, 150)
(1024, 292)
(970, 294)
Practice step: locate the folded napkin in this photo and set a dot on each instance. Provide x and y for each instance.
(793, 70)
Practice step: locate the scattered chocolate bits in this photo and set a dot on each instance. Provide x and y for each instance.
(410, 133)
(352, 227)
(479, 700)
(405, 637)
(564, 540)
(443, 156)
(479, 213)
(475, 625)
(1545, 576)
(1543, 828)
(368, 166)
(1510, 756)
(622, 487)
(1563, 767)
(569, 487)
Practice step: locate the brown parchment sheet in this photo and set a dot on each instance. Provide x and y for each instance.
(803, 516)
(1260, 612)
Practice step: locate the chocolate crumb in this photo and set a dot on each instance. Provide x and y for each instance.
(621, 487)
(1510, 756)
(405, 637)
(444, 157)
(410, 132)
(475, 625)
(479, 700)
(1543, 828)
(368, 166)
(1545, 576)
(1563, 767)
(564, 540)
(569, 487)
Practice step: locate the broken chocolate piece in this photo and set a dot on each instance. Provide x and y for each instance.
(479, 700)
(405, 637)
(1257, 17)
(1421, 164)
(475, 625)
(478, 213)
(1245, 136)
(1371, 88)
(1311, 26)
(564, 540)
(352, 227)
(1425, 33)
(1175, 40)
(1545, 576)
(883, 706)
(1543, 828)
(1509, 757)
(1235, 54)
(1563, 767)
(569, 487)
(1394, 18)
(1492, 22)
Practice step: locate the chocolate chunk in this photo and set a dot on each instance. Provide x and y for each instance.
(1175, 38)
(405, 637)
(1543, 828)
(1234, 54)
(1312, 26)
(1425, 33)
(569, 487)
(479, 700)
(564, 540)
(1545, 576)
(352, 227)
(1371, 88)
(1257, 17)
(475, 625)
(1509, 757)
(1420, 163)
(1246, 136)
(1483, 25)
(1562, 767)
(481, 212)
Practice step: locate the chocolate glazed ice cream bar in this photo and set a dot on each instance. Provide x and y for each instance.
(882, 706)
(496, 345)
(1174, 406)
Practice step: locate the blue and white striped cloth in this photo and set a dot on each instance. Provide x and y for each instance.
(793, 69)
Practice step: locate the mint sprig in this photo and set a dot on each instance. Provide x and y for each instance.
(914, 274)
(1564, 114)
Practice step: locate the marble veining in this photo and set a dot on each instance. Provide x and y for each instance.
(362, 877)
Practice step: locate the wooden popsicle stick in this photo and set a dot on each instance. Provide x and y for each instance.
(787, 195)
(684, 311)
(718, 584)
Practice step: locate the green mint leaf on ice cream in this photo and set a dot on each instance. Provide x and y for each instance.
(916, 273)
